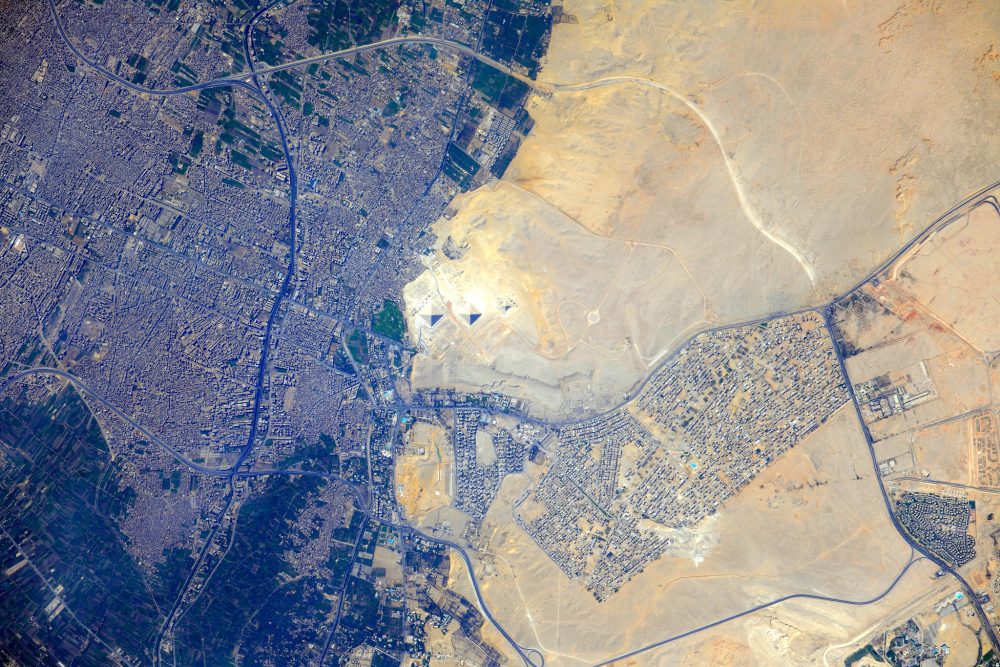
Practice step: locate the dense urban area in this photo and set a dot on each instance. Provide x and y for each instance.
(208, 213)
(219, 274)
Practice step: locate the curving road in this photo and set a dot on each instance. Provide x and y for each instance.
(916, 546)
(360, 498)
(971, 201)
(797, 596)
(249, 81)
(232, 471)
(521, 651)
(530, 656)
(255, 90)
(242, 79)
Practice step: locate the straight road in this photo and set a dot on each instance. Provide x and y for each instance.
(343, 592)
(952, 485)
(84, 388)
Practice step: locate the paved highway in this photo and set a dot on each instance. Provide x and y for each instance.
(241, 80)
(293, 189)
(521, 651)
(84, 388)
(343, 592)
(531, 657)
(168, 620)
(359, 495)
(232, 471)
(255, 90)
(293, 193)
(975, 199)
(752, 610)
(941, 482)
(971, 594)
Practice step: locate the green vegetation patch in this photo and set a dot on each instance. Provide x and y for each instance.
(357, 346)
(514, 34)
(389, 321)
(339, 24)
(271, 153)
(241, 159)
(180, 163)
(264, 644)
(861, 653)
(286, 86)
(197, 144)
(60, 498)
(253, 595)
(498, 88)
(320, 456)
(459, 166)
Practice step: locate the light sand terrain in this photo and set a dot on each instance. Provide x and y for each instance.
(786, 635)
(812, 522)
(553, 297)
(939, 302)
(943, 451)
(695, 163)
(937, 619)
(953, 273)
(936, 308)
(959, 377)
(424, 471)
(939, 623)
(705, 162)
(959, 633)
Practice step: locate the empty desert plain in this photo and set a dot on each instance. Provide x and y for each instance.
(695, 163)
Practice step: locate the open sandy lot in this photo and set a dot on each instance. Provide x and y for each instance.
(943, 452)
(954, 276)
(960, 380)
(424, 472)
(696, 163)
(933, 312)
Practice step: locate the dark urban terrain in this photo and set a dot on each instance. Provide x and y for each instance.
(208, 212)
(201, 327)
